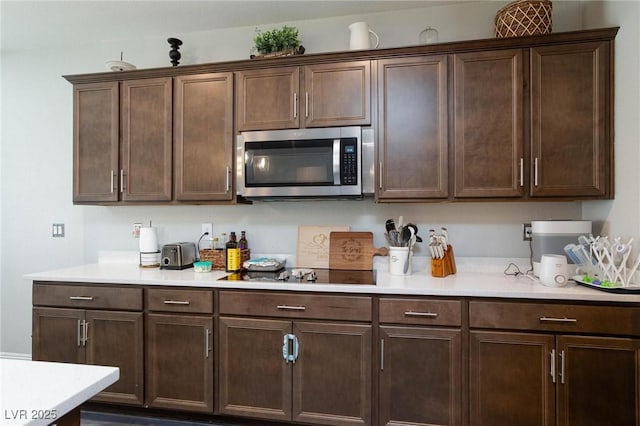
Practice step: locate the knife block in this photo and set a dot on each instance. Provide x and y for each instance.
(446, 265)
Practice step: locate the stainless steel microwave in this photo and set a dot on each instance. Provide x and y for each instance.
(305, 163)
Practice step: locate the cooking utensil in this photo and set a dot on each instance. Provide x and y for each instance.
(409, 245)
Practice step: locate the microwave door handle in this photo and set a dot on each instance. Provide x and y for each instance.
(336, 161)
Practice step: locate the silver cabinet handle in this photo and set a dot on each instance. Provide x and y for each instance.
(381, 354)
(562, 367)
(112, 181)
(535, 171)
(228, 181)
(87, 298)
(79, 332)
(521, 171)
(565, 319)
(176, 302)
(306, 104)
(553, 365)
(420, 314)
(85, 333)
(380, 175)
(121, 180)
(295, 105)
(206, 343)
(291, 308)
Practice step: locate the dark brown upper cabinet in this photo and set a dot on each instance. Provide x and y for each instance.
(571, 116)
(96, 142)
(145, 145)
(413, 137)
(488, 127)
(316, 95)
(203, 137)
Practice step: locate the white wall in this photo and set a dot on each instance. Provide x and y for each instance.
(621, 216)
(36, 160)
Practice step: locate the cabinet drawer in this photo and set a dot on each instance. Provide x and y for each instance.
(555, 317)
(350, 308)
(88, 296)
(180, 300)
(421, 311)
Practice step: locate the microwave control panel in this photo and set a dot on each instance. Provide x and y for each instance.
(349, 162)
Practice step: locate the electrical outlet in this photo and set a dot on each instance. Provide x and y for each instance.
(208, 227)
(136, 230)
(526, 232)
(57, 230)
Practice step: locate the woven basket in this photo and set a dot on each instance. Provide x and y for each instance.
(217, 257)
(523, 18)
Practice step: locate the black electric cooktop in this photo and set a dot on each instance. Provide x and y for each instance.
(306, 276)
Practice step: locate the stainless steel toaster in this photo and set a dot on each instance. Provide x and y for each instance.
(178, 256)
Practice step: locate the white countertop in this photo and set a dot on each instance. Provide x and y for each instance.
(420, 282)
(39, 393)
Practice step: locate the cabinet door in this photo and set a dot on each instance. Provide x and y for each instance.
(488, 138)
(571, 114)
(332, 375)
(57, 335)
(510, 379)
(268, 99)
(179, 358)
(598, 381)
(203, 137)
(337, 94)
(116, 339)
(254, 379)
(95, 142)
(412, 111)
(146, 140)
(420, 376)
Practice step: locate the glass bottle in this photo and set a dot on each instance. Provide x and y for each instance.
(242, 242)
(232, 254)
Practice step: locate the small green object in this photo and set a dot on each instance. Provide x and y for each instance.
(276, 40)
(606, 284)
(586, 279)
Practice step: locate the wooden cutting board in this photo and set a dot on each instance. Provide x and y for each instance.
(353, 250)
(313, 245)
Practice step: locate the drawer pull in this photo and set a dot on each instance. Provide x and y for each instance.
(89, 298)
(421, 314)
(176, 302)
(551, 319)
(291, 308)
(207, 349)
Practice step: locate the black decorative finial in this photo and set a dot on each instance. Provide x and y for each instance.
(173, 53)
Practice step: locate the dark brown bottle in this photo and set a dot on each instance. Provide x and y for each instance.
(242, 242)
(232, 254)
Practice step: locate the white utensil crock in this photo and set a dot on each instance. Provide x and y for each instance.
(360, 39)
(553, 270)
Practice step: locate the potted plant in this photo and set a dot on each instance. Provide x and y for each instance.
(277, 42)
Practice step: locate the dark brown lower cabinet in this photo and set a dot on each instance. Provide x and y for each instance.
(533, 379)
(325, 378)
(180, 362)
(420, 376)
(111, 338)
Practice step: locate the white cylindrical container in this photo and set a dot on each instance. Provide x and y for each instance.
(149, 253)
(398, 256)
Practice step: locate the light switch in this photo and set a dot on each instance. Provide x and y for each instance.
(57, 230)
